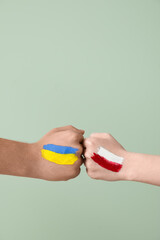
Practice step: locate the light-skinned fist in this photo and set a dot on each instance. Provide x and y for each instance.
(107, 141)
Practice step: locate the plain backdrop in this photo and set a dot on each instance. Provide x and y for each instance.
(94, 64)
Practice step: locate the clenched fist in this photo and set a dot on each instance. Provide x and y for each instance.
(63, 136)
(95, 170)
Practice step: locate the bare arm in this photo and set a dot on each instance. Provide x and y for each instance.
(16, 158)
(143, 168)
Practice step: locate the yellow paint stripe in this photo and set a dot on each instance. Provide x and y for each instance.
(63, 159)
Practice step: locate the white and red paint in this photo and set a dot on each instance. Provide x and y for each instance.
(108, 160)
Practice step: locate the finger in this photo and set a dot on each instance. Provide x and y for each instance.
(88, 154)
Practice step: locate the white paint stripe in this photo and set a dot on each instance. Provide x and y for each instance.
(110, 156)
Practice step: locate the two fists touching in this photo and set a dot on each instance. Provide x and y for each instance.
(73, 137)
(59, 155)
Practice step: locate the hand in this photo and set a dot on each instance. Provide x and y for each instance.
(106, 141)
(64, 136)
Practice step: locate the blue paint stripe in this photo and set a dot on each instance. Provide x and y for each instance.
(60, 149)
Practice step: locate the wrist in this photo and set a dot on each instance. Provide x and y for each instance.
(31, 169)
(128, 170)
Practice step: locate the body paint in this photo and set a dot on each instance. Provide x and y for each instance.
(60, 149)
(108, 160)
(59, 154)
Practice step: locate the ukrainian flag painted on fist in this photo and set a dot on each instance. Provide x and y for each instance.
(59, 154)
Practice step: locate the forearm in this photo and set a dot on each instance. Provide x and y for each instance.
(142, 168)
(16, 158)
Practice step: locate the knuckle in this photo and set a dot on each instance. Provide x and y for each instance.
(69, 131)
(72, 135)
(73, 138)
(108, 134)
(88, 142)
(70, 126)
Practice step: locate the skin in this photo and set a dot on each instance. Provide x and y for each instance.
(136, 166)
(24, 159)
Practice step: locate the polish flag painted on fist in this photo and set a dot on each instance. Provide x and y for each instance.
(108, 160)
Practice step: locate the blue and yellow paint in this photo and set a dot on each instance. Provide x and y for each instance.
(59, 154)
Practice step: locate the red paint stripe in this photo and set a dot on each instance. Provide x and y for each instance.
(103, 162)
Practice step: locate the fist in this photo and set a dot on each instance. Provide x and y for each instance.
(49, 170)
(100, 167)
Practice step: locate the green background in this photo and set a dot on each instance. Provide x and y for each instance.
(95, 65)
